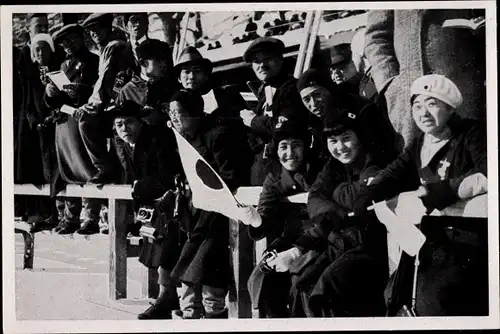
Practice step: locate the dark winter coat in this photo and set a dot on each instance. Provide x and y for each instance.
(282, 223)
(456, 247)
(205, 256)
(463, 155)
(154, 163)
(347, 249)
(74, 164)
(35, 146)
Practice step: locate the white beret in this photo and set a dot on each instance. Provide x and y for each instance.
(438, 86)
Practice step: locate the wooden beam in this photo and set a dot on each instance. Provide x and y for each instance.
(116, 191)
(149, 284)
(117, 249)
(303, 45)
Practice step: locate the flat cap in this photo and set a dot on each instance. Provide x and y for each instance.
(437, 86)
(128, 108)
(313, 77)
(268, 44)
(98, 18)
(340, 53)
(60, 34)
(127, 16)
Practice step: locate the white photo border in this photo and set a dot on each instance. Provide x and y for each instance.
(316, 324)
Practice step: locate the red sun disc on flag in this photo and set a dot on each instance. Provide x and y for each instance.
(207, 176)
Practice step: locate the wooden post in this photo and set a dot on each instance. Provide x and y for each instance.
(118, 249)
(182, 39)
(312, 41)
(241, 253)
(303, 46)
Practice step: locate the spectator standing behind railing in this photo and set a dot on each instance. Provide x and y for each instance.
(36, 153)
(402, 45)
(33, 207)
(115, 56)
(344, 268)
(367, 87)
(149, 162)
(221, 104)
(276, 93)
(74, 164)
(450, 159)
(278, 221)
(203, 267)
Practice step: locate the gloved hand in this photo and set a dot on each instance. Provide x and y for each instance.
(85, 109)
(71, 90)
(247, 116)
(283, 260)
(410, 206)
(51, 90)
(250, 216)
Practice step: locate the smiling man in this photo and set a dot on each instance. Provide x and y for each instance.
(276, 93)
(323, 98)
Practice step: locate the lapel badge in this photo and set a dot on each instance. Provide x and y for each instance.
(351, 115)
(443, 169)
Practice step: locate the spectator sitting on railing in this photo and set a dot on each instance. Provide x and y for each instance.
(115, 56)
(74, 164)
(447, 163)
(345, 268)
(276, 93)
(203, 267)
(156, 60)
(278, 221)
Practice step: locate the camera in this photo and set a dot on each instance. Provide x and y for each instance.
(263, 266)
(144, 215)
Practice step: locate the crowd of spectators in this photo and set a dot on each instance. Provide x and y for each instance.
(382, 122)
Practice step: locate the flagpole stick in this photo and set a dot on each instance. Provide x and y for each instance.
(370, 208)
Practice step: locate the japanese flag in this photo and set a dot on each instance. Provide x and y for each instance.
(209, 192)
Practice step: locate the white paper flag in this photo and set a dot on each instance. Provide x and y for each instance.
(405, 233)
(209, 192)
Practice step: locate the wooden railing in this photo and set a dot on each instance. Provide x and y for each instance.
(244, 252)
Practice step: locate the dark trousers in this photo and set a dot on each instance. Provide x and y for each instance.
(69, 208)
(94, 130)
(274, 298)
(452, 275)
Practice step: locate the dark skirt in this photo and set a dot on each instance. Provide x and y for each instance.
(204, 258)
(334, 283)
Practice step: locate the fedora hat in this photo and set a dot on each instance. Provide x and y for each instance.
(191, 56)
